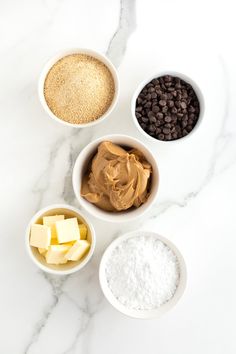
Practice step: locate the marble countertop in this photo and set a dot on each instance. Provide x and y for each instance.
(44, 314)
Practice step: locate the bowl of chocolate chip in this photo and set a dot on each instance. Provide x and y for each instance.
(116, 178)
(168, 107)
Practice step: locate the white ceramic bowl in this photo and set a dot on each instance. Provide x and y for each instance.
(183, 77)
(81, 166)
(142, 314)
(62, 54)
(39, 260)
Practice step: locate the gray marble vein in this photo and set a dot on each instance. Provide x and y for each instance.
(220, 144)
(115, 52)
(56, 284)
(76, 144)
(126, 26)
(42, 184)
(41, 188)
(86, 313)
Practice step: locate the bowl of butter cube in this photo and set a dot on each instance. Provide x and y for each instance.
(60, 239)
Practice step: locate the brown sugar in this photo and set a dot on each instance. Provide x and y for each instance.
(79, 88)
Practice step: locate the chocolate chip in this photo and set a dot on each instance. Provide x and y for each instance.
(189, 128)
(167, 119)
(155, 109)
(166, 131)
(168, 125)
(154, 95)
(161, 136)
(158, 92)
(174, 136)
(177, 104)
(174, 110)
(162, 103)
(164, 97)
(167, 78)
(184, 124)
(152, 120)
(168, 137)
(192, 116)
(148, 104)
(160, 115)
(191, 109)
(150, 114)
(170, 104)
(155, 82)
(152, 128)
(165, 109)
(190, 121)
(151, 89)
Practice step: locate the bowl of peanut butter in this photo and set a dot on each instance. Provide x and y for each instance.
(116, 178)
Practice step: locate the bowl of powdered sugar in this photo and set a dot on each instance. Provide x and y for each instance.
(142, 274)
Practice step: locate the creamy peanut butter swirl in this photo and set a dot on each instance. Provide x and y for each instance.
(117, 179)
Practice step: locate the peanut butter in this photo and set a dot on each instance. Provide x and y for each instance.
(117, 179)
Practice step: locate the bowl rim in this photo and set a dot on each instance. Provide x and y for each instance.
(182, 76)
(46, 269)
(99, 213)
(142, 314)
(96, 54)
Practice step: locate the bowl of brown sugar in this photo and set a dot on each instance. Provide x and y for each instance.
(79, 87)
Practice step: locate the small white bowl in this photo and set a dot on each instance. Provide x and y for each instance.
(81, 166)
(142, 314)
(39, 260)
(186, 79)
(94, 54)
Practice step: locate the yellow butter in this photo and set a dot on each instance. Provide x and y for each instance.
(67, 230)
(56, 254)
(50, 221)
(42, 251)
(40, 236)
(54, 241)
(78, 250)
(83, 231)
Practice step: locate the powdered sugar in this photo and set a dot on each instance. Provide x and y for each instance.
(142, 272)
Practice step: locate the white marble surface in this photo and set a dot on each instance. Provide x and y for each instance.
(196, 204)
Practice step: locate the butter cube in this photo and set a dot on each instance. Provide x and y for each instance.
(83, 231)
(67, 230)
(78, 250)
(40, 236)
(56, 254)
(54, 241)
(42, 251)
(50, 221)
